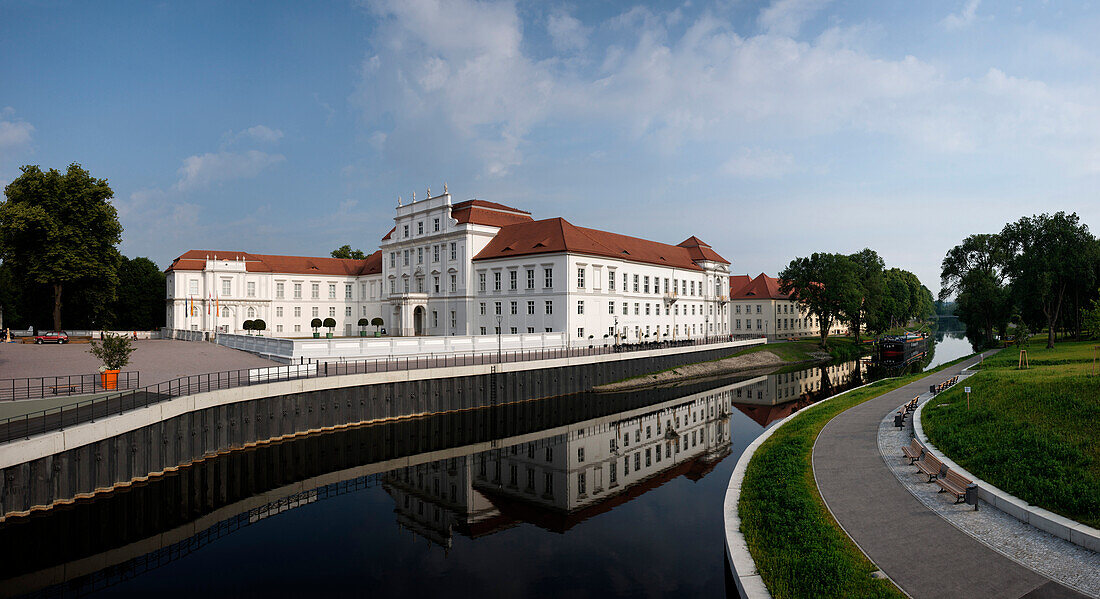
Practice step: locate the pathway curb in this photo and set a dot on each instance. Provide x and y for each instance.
(745, 575)
(1045, 520)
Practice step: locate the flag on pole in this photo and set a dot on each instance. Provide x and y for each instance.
(208, 304)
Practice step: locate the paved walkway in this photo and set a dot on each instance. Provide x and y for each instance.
(920, 551)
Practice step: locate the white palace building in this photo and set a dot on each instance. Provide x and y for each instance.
(469, 268)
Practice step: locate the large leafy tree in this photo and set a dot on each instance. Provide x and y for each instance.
(140, 303)
(973, 272)
(868, 268)
(60, 229)
(825, 284)
(345, 251)
(1044, 256)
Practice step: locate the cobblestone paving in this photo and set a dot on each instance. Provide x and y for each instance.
(1051, 556)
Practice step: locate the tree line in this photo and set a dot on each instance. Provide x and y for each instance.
(1038, 272)
(58, 255)
(857, 289)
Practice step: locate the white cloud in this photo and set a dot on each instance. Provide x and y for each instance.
(566, 33)
(259, 133)
(201, 171)
(786, 17)
(962, 19)
(14, 133)
(458, 71)
(752, 163)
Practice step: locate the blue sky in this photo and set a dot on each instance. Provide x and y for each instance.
(769, 129)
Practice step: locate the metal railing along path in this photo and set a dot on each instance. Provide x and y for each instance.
(44, 387)
(57, 418)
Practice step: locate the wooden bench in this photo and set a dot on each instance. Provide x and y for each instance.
(912, 405)
(930, 465)
(56, 388)
(914, 451)
(954, 483)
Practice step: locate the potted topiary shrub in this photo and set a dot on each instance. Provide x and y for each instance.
(114, 351)
(330, 323)
(247, 326)
(316, 324)
(259, 326)
(377, 323)
(362, 323)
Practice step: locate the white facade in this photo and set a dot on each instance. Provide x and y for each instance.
(429, 283)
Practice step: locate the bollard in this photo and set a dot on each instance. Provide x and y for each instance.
(932, 389)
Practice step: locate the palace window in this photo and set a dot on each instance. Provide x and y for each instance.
(454, 283)
(580, 333)
(435, 224)
(549, 307)
(435, 253)
(405, 257)
(482, 330)
(647, 309)
(454, 320)
(315, 312)
(481, 281)
(496, 281)
(405, 284)
(646, 285)
(496, 307)
(420, 255)
(332, 291)
(512, 282)
(514, 307)
(406, 230)
(420, 227)
(636, 310)
(531, 307)
(227, 287)
(297, 311)
(482, 308)
(580, 307)
(279, 289)
(580, 278)
(347, 291)
(332, 312)
(435, 318)
(420, 284)
(393, 259)
(454, 251)
(635, 283)
(435, 284)
(548, 273)
(610, 307)
(611, 281)
(279, 312)
(514, 330)
(626, 308)
(347, 311)
(530, 279)
(193, 287)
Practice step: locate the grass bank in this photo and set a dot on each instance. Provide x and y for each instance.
(1030, 432)
(798, 548)
(840, 348)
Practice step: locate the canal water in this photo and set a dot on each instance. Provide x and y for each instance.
(591, 495)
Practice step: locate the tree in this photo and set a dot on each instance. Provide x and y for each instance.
(330, 324)
(973, 272)
(247, 326)
(113, 350)
(376, 322)
(259, 326)
(1044, 255)
(869, 282)
(140, 303)
(60, 229)
(825, 284)
(345, 251)
(316, 324)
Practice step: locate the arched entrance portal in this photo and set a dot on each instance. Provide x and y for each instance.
(418, 321)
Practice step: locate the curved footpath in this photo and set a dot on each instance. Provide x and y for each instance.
(920, 551)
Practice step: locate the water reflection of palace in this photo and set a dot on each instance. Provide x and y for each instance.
(561, 479)
(769, 398)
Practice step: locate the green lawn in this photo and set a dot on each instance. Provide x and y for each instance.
(798, 548)
(1033, 433)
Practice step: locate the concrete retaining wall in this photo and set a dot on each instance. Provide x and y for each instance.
(96, 456)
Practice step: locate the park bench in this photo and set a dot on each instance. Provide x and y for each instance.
(69, 388)
(914, 451)
(954, 483)
(930, 465)
(912, 405)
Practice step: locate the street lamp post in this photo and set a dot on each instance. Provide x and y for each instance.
(706, 328)
(616, 330)
(499, 345)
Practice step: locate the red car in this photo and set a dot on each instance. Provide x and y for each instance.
(52, 337)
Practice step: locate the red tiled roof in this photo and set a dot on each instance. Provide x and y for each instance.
(737, 282)
(700, 251)
(556, 235)
(480, 212)
(394, 228)
(762, 287)
(196, 260)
